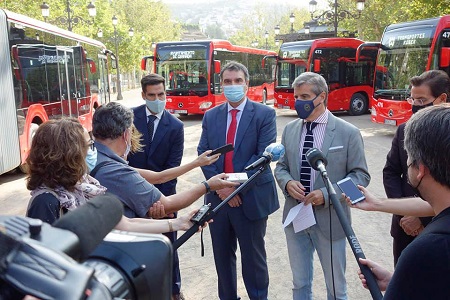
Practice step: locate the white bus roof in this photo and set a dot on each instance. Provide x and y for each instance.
(40, 25)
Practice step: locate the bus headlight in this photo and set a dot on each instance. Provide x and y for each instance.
(205, 105)
(373, 111)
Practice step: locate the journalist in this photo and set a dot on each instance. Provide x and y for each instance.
(423, 267)
(112, 124)
(59, 183)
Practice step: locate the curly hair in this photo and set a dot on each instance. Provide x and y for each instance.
(57, 155)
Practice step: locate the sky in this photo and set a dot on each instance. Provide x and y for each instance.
(300, 3)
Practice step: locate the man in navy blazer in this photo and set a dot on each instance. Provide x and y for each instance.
(244, 218)
(163, 146)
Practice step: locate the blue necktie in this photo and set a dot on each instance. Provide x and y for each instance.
(151, 127)
(305, 170)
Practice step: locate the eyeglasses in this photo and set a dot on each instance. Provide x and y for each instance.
(91, 144)
(419, 102)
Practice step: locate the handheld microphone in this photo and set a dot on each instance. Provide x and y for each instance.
(273, 152)
(92, 221)
(316, 159)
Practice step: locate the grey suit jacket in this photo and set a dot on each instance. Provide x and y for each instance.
(344, 149)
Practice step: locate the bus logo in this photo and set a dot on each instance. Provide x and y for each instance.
(391, 42)
(390, 113)
(180, 105)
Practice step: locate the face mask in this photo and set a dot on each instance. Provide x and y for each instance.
(416, 108)
(305, 107)
(416, 188)
(91, 158)
(234, 93)
(156, 106)
(127, 150)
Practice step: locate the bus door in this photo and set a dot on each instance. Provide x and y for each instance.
(103, 91)
(67, 82)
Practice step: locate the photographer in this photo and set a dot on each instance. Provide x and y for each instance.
(59, 183)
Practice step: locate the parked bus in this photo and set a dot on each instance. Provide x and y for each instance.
(191, 70)
(406, 50)
(48, 73)
(349, 82)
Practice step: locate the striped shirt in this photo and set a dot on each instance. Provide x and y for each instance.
(318, 134)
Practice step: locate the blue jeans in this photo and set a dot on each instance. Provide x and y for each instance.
(301, 246)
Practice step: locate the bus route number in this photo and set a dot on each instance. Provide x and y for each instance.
(318, 51)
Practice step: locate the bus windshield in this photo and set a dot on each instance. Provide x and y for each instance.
(292, 63)
(404, 54)
(395, 68)
(185, 70)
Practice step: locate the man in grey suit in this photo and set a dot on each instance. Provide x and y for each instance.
(342, 144)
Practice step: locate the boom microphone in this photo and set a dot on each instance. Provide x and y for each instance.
(92, 221)
(273, 152)
(316, 159)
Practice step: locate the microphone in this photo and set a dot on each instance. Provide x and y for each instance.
(92, 221)
(273, 152)
(316, 159)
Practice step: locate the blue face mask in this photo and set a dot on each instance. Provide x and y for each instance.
(91, 158)
(234, 93)
(304, 108)
(156, 106)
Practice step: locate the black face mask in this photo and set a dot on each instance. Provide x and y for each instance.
(416, 108)
(416, 188)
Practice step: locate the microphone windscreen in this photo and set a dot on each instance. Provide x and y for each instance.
(92, 221)
(313, 155)
(276, 150)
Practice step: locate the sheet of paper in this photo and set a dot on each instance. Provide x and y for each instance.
(301, 216)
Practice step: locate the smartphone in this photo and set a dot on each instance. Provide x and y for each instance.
(222, 150)
(348, 187)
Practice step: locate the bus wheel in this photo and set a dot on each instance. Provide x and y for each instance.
(264, 97)
(33, 127)
(358, 105)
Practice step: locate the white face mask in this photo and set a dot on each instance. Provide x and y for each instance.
(156, 106)
(91, 158)
(127, 150)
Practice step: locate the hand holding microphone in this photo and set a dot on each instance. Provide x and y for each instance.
(273, 152)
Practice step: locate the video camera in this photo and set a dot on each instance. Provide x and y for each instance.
(41, 260)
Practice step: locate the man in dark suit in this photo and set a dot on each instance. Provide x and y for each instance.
(250, 127)
(163, 138)
(430, 88)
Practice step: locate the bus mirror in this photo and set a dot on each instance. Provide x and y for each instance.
(317, 65)
(143, 63)
(217, 66)
(92, 66)
(145, 60)
(444, 60)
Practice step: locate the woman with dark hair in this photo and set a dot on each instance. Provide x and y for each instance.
(59, 182)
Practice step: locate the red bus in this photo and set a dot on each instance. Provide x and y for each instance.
(406, 49)
(349, 82)
(47, 73)
(191, 70)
